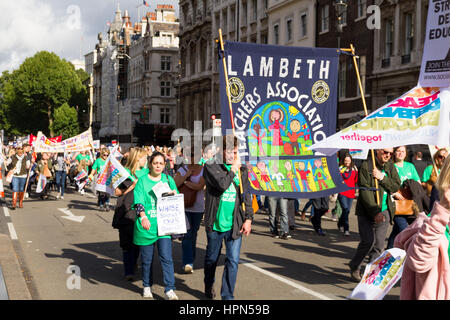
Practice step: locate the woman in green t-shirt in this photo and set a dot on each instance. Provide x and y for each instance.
(97, 167)
(406, 170)
(146, 228)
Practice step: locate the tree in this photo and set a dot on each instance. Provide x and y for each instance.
(65, 121)
(41, 84)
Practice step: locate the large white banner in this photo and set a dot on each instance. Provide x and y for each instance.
(435, 68)
(420, 116)
(81, 142)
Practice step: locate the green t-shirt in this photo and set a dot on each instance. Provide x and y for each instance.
(98, 165)
(427, 173)
(139, 173)
(384, 205)
(225, 212)
(144, 195)
(408, 171)
(81, 157)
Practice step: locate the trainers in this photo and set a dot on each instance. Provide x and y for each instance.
(285, 236)
(62, 198)
(57, 196)
(210, 293)
(188, 269)
(147, 292)
(347, 233)
(334, 217)
(170, 295)
(275, 235)
(320, 232)
(341, 229)
(355, 275)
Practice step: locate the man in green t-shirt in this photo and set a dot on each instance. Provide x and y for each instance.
(225, 218)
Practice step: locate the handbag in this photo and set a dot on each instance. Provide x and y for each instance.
(189, 195)
(404, 207)
(47, 172)
(9, 176)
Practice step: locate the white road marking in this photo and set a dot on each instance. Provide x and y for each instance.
(6, 211)
(12, 231)
(70, 215)
(249, 263)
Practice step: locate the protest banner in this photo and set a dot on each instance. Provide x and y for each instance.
(81, 142)
(42, 182)
(83, 174)
(360, 154)
(112, 175)
(283, 100)
(435, 67)
(380, 276)
(420, 116)
(170, 215)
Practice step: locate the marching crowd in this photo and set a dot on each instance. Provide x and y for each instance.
(413, 197)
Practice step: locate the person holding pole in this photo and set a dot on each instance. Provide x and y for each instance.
(373, 216)
(432, 172)
(226, 219)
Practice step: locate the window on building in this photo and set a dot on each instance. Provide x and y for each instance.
(303, 24)
(164, 115)
(244, 13)
(165, 88)
(255, 9)
(342, 78)
(265, 3)
(165, 63)
(361, 8)
(362, 73)
(276, 34)
(289, 30)
(325, 18)
(389, 38)
(409, 33)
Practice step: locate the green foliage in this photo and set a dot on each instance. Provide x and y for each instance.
(66, 121)
(32, 92)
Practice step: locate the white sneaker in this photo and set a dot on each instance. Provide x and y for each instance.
(170, 295)
(147, 293)
(62, 198)
(188, 269)
(346, 233)
(82, 191)
(341, 229)
(58, 196)
(26, 195)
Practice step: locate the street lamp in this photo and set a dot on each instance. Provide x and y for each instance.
(341, 9)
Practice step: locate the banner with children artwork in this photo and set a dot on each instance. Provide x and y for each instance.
(283, 101)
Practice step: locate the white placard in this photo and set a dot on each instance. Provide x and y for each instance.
(160, 188)
(170, 215)
(435, 67)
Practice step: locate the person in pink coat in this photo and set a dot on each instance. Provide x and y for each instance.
(426, 273)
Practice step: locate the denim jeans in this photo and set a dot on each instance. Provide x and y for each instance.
(18, 184)
(307, 205)
(284, 220)
(400, 224)
(233, 250)
(346, 205)
(165, 256)
(189, 242)
(60, 177)
(102, 199)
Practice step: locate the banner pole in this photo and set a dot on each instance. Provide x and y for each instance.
(352, 48)
(230, 107)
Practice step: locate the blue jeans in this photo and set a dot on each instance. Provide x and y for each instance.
(18, 184)
(60, 177)
(103, 199)
(284, 223)
(346, 205)
(307, 205)
(165, 257)
(233, 250)
(400, 224)
(189, 242)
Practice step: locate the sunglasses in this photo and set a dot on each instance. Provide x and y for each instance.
(441, 157)
(387, 152)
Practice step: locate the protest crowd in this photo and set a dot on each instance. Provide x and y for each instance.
(213, 194)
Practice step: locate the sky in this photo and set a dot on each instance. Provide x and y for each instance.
(68, 28)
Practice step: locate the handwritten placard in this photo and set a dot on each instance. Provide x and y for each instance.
(170, 215)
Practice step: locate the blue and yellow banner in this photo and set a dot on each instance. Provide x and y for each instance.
(283, 101)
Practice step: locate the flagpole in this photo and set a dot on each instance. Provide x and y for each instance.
(230, 106)
(352, 49)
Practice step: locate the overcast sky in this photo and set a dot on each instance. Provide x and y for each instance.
(68, 28)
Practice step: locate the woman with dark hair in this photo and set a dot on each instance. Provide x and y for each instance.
(146, 227)
(18, 164)
(349, 174)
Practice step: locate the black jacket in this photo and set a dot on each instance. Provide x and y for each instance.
(123, 213)
(217, 180)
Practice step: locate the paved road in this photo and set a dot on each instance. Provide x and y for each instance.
(50, 247)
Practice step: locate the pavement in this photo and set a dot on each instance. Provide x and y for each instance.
(11, 273)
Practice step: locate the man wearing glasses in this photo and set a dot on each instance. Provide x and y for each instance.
(373, 218)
